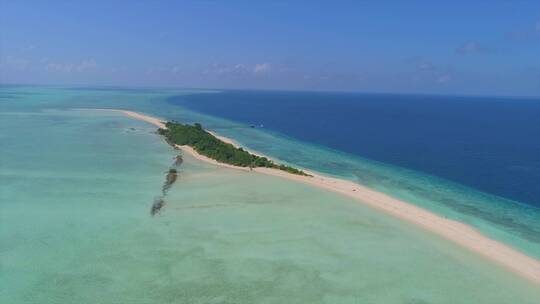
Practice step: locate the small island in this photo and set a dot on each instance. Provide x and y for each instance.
(210, 146)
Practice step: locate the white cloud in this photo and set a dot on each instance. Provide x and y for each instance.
(470, 47)
(240, 66)
(165, 71)
(28, 47)
(428, 71)
(12, 62)
(61, 67)
(70, 67)
(239, 70)
(444, 78)
(223, 69)
(86, 65)
(261, 68)
(426, 65)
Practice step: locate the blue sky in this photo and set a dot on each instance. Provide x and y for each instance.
(469, 47)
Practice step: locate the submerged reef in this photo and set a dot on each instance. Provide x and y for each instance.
(170, 179)
(178, 160)
(157, 205)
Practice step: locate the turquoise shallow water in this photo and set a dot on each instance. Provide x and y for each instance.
(76, 190)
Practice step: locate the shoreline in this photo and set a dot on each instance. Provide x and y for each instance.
(457, 232)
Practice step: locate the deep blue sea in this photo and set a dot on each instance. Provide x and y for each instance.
(490, 144)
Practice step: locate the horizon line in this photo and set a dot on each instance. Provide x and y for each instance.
(166, 87)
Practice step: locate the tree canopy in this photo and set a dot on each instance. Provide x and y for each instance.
(210, 146)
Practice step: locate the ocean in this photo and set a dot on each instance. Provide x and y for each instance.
(473, 159)
(490, 144)
(77, 187)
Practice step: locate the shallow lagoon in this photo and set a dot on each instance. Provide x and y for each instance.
(76, 192)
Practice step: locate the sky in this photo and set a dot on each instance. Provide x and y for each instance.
(428, 47)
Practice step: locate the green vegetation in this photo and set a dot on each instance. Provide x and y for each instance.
(210, 146)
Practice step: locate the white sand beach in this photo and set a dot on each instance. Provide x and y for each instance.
(454, 231)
